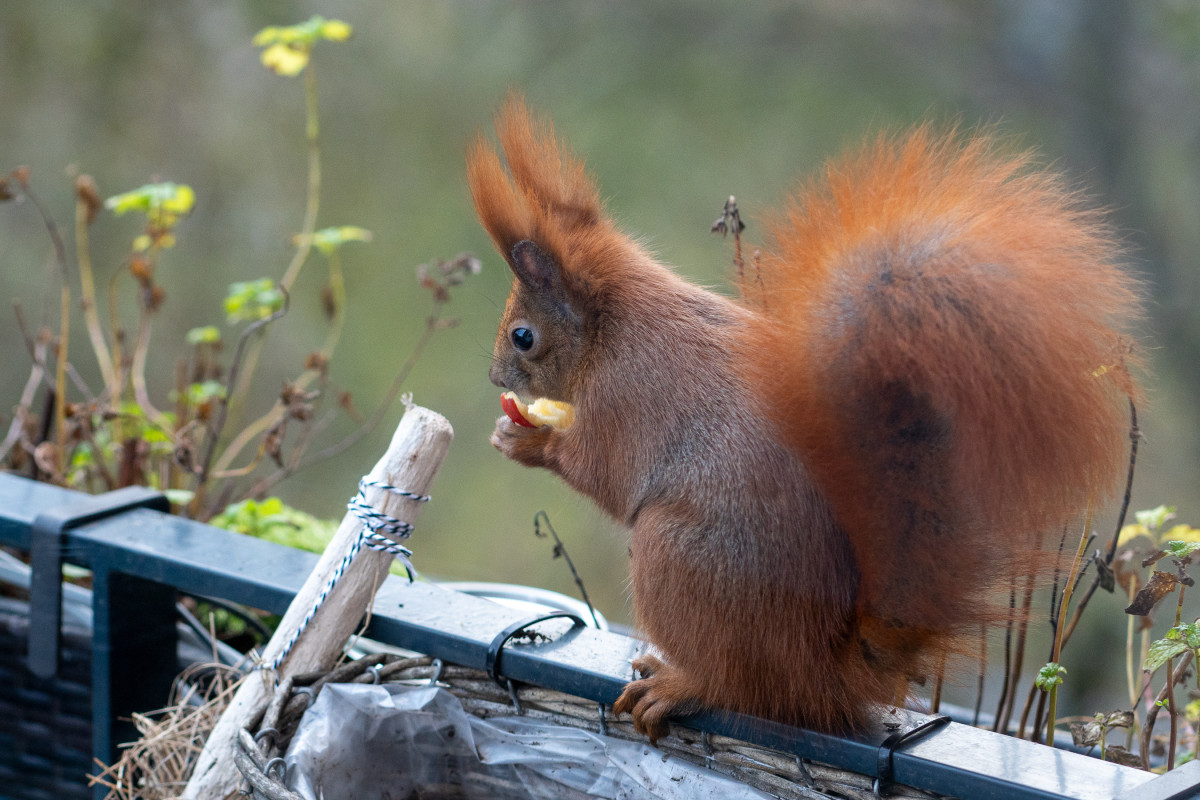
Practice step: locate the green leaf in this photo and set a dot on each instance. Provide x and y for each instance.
(1162, 649)
(329, 239)
(180, 497)
(252, 300)
(163, 203)
(200, 393)
(209, 334)
(274, 521)
(1049, 675)
(1188, 632)
(1181, 550)
(1155, 518)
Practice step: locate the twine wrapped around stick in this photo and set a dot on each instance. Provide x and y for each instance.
(331, 603)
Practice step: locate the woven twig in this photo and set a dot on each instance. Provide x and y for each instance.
(158, 764)
(774, 772)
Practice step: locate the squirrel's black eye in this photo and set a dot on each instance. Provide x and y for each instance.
(522, 339)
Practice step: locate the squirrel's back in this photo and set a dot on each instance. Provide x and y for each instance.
(941, 339)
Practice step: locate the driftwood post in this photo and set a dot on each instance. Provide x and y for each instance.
(411, 461)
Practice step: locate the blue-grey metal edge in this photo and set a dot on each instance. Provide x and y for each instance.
(955, 760)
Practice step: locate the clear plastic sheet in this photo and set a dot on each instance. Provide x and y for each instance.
(397, 742)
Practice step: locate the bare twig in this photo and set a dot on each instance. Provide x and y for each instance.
(1018, 664)
(238, 391)
(60, 357)
(432, 325)
(1063, 605)
(1152, 714)
(560, 550)
(85, 208)
(731, 221)
(218, 424)
(137, 373)
(36, 376)
(982, 674)
(1134, 436)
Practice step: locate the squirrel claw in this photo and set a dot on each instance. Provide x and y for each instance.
(524, 445)
(661, 694)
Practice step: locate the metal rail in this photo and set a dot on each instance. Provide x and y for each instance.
(141, 558)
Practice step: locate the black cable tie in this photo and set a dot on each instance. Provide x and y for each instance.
(887, 748)
(46, 542)
(492, 664)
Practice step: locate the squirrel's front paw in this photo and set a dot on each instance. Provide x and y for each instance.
(664, 692)
(524, 445)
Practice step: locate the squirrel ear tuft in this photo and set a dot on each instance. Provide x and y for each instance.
(534, 267)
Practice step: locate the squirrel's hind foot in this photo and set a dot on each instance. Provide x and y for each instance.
(663, 692)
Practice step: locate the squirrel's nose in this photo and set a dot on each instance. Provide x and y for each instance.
(495, 374)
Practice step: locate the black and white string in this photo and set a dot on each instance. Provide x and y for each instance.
(380, 532)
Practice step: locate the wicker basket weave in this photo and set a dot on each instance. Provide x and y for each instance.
(45, 725)
(777, 773)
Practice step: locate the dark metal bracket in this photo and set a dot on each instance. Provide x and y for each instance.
(902, 735)
(47, 539)
(492, 660)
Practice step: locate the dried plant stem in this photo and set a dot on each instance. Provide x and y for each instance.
(36, 376)
(560, 549)
(1164, 693)
(1019, 663)
(255, 429)
(1036, 733)
(87, 286)
(60, 381)
(1005, 702)
(1134, 436)
(432, 324)
(337, 293)
(137, 374)
(982, 674)
(218, 424)
(1171, 686)
(312, 133)
(60, 356)
(935, 701)
(241, 388)
(1130, 681)
(1060, 628)
(118, 340)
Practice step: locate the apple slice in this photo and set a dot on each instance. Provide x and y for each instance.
(512, 407)
(555, 413)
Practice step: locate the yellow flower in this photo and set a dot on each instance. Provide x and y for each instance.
(1131, 532)
(1181, 533)
(288, 48)
(285, 60)
(336, 31)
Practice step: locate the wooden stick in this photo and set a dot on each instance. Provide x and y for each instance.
(411, 461)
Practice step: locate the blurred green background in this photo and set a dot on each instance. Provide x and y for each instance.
(675, 106)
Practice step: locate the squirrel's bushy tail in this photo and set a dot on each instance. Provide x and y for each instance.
(956, 376)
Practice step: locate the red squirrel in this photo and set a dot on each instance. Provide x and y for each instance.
(827, 477)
